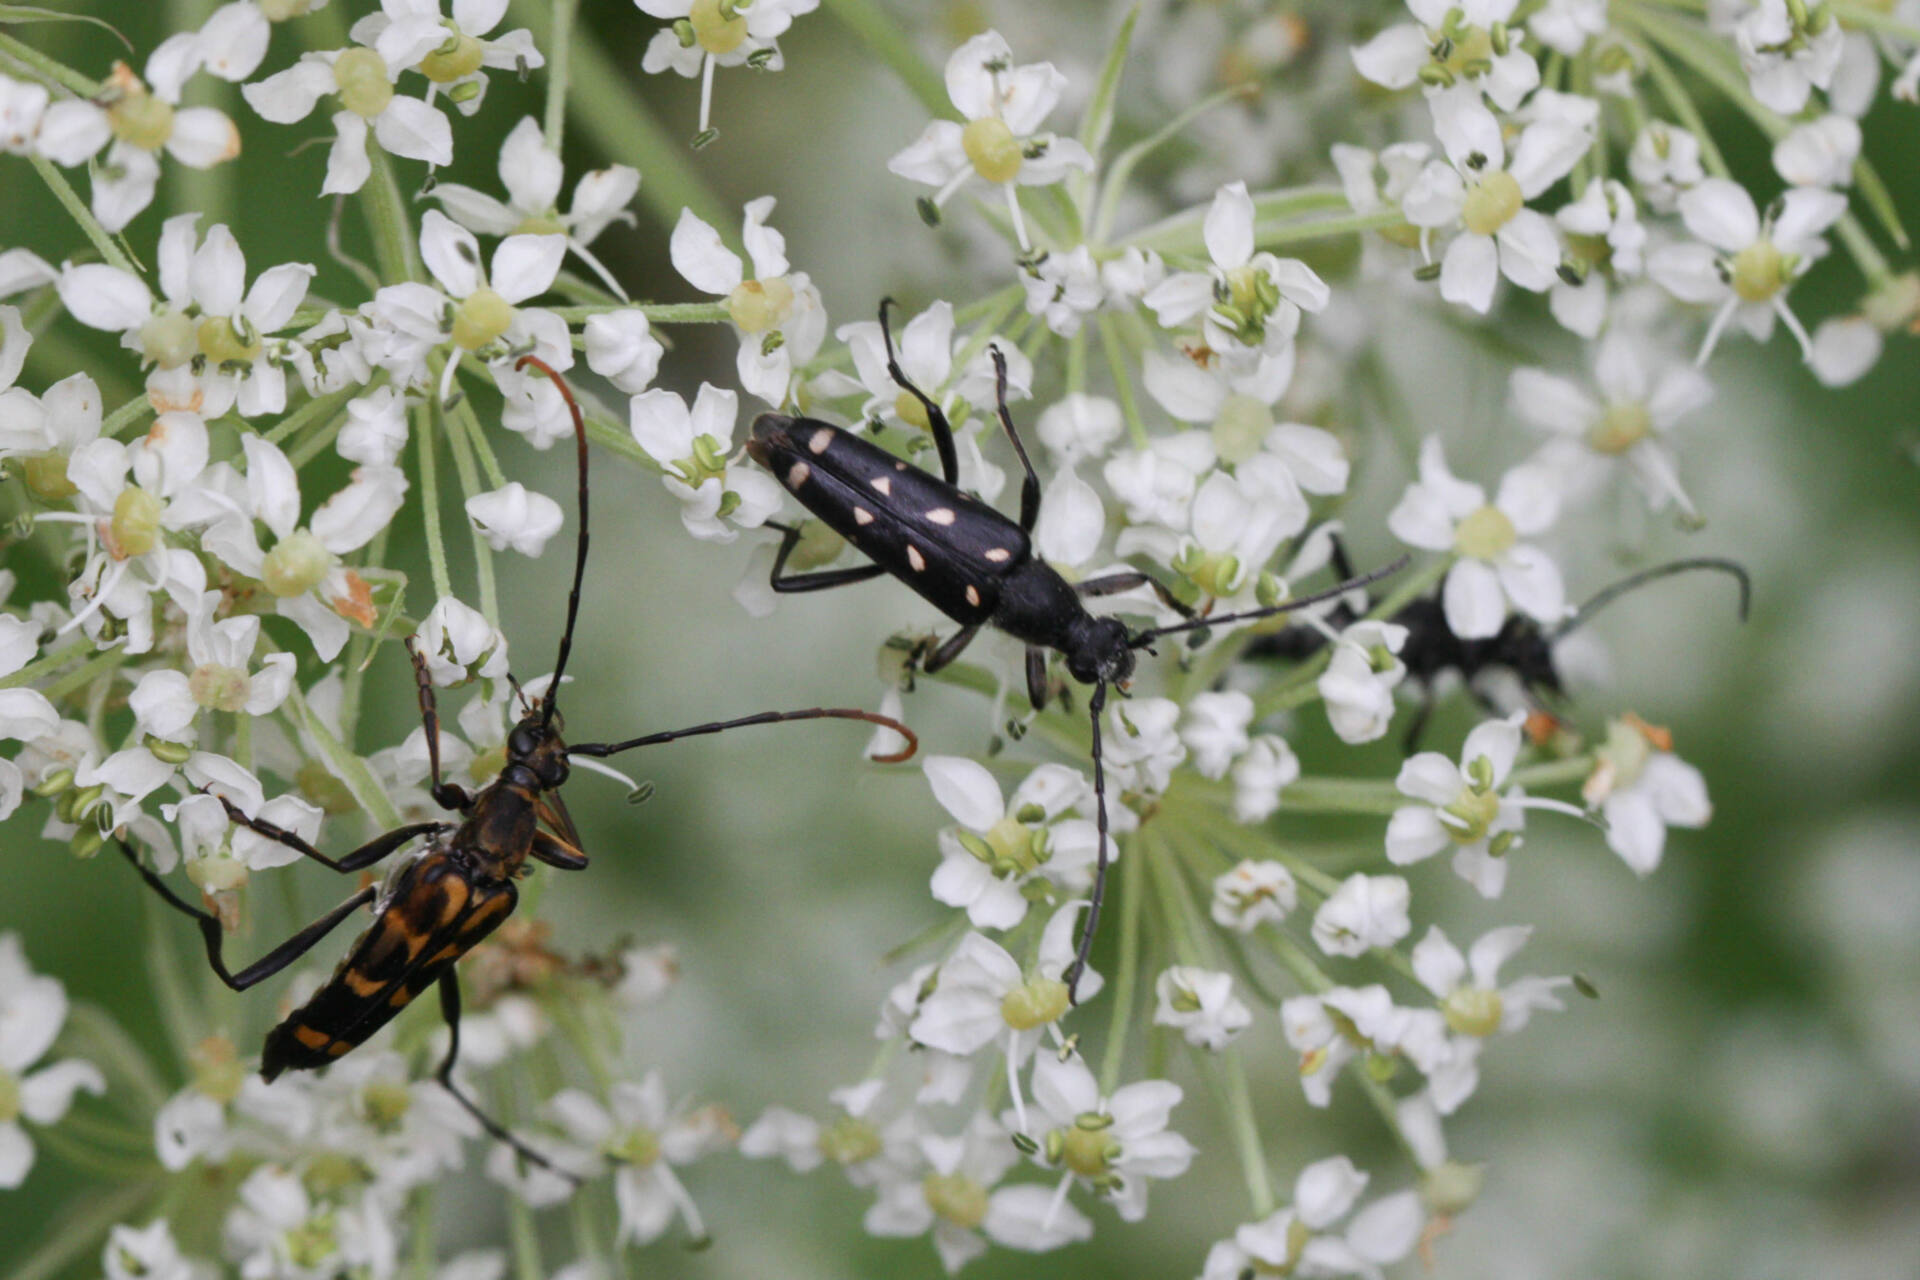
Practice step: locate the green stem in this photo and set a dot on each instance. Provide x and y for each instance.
(1557, 773)
(1341, 795)
(890, 44)
(1681, 104)
(41, 666)
(1866, 19)
(469, 421)
(609, 110)
(656, 312)
(80, 1230)
(1246, 1135)
(84, 674)
(1132, 899)
(1122, 381)
(1275, 218)
(425, 417)
(104, 244)
(1113, 182)
(469, 475)
(137, 409)
(559, 50)
(346, 766)
(385, 209)
(53, 73)
(317, 409)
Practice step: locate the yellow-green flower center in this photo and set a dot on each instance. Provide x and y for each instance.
(219, 688)
(326, 1177)
(1485, 534)
(1241, 428)
(541, 224)
(169, 339)
(756, 306)
(385, 1104)
(1620, 428)
(217, 1071)
(994, 152)
(637, 1147)
(1627, 750)
(217, 872)
(717, 26)
(296, 564)
(1492, 204)
(141, 120)
(955, 1197)
(1475, 811)
(361, 75)
(459, 57)
(849, 1141)
(907, 407)
(482, 316)
(221, 341)
(1218, 573)
(1759, 271)
(1034, 1003)
(1473, 1011)
(281, 10)
(1468, 51)
(46, 476)
(310, 1244)
(1087, 1147)
(135, 529)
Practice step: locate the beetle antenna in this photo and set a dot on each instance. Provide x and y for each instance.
(764, 717)
(1142, 639)
(1071, 977)
(936, 417)
(580, 547)
(1607, 595)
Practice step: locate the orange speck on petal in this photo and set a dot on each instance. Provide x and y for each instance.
(1661, 738)
(357, 604)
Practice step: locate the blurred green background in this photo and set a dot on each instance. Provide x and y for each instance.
(1742, 1100)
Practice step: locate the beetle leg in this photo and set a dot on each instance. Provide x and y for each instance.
(556, 852)
(1030, 486)
(796, 582)
(937, 424)
(447, 795)
(450, 1009)
(949, 649)
(1071, 977)
(271, 963)
(1037, 677)
(1114, 583)
(365, 856)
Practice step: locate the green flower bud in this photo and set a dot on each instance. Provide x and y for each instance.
(1473, 1011)
(757, 306)
(141, 120)
(167, 752)
(45, 475)
(956, 1197)
(456, 59)
(849, 1141)
(1759, 271)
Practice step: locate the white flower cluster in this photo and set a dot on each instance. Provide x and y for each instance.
(222, 548)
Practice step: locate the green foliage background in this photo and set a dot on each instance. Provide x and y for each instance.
(1741, 1101)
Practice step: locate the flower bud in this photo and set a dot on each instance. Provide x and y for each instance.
(296, 564)
(169, 339)
(956, 1198)
(141, 120)
(135, 529)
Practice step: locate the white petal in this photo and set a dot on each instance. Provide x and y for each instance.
(347, 165)
(1228, 230)
(966, 790)
(46, 1094)
(1325, 1190)
(525, 266)
(1474, 603)
(415, 130)
(1721, 213)
(701, 258)
(103, 297)
(451, 253)
(1469, 272)
(203, 137)
(1532, 581)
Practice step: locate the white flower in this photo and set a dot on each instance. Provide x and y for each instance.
(1201, 1003)
(1332, 1028)
(1664, 162)
(1609, 246)
(1845, 349)
(1483, 191)
(1275, 461)
(777, 314)
(1253, 894)
(1064, 289)
(486, 316)
(278, 1230)
(1079, 426)
(376, 429)
(1820, 153)
(166, 703)
(454, 638)
(1625, 425)
(1002, 141)
(148, 1253)
(515, 517)
(1787, 57)
(692, 447)
(1360, 678)
(1468, 987)
(705, 36)
(1260, 775)
(644, 1137)
(1746, 264)
(531, 173)
(1300, 1240)
(1156, 484)
(1363, 913)
(622, 349)
(1454, 40)
(33, 1008)
(1493, 568)
(1566, 25)
(1143, 746)
(999, 850)
(1114, 1145)
(408, 1132)
(1249, 303)
(1641, 789)
(1463, 807)
(364, 79)
(451, 52)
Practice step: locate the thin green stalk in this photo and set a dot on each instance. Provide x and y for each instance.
(656, 312)
(469, 475)
(1168, 897)
(1122, 380)
(559, 50)
(1863, 18)
(424, 417)
(360, 650)
(41, 666)
(79, 1231)
(385, 208)
(1558, 773)
(1246, 1134)
(85, 674)
(345, 765)
(1681, 104)
(607, 107)
(1114, 181)
(890, 44)
(210, 191)
(469, 421)
(1096, 123)
(311, 447)
(1297, 962)
(1341, 795)
(136, 409)
(318, 408)
(53, 73)
(1132, 897)
(107, 247)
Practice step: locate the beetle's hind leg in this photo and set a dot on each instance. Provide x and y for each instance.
(450, 1009)
(365, 856)
(787, 583)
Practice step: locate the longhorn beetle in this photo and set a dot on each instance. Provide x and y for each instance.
(459, 887)
(1522, 645)
(972, 563)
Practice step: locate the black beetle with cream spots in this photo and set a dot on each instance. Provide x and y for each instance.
(968, 560)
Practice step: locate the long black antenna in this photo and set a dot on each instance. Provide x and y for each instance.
(1142, 639)
(764, 717)
(548, 703)
(1607, 595)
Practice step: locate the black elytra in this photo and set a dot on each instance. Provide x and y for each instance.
(438, 904)
(972, 563)
(1523, 645)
